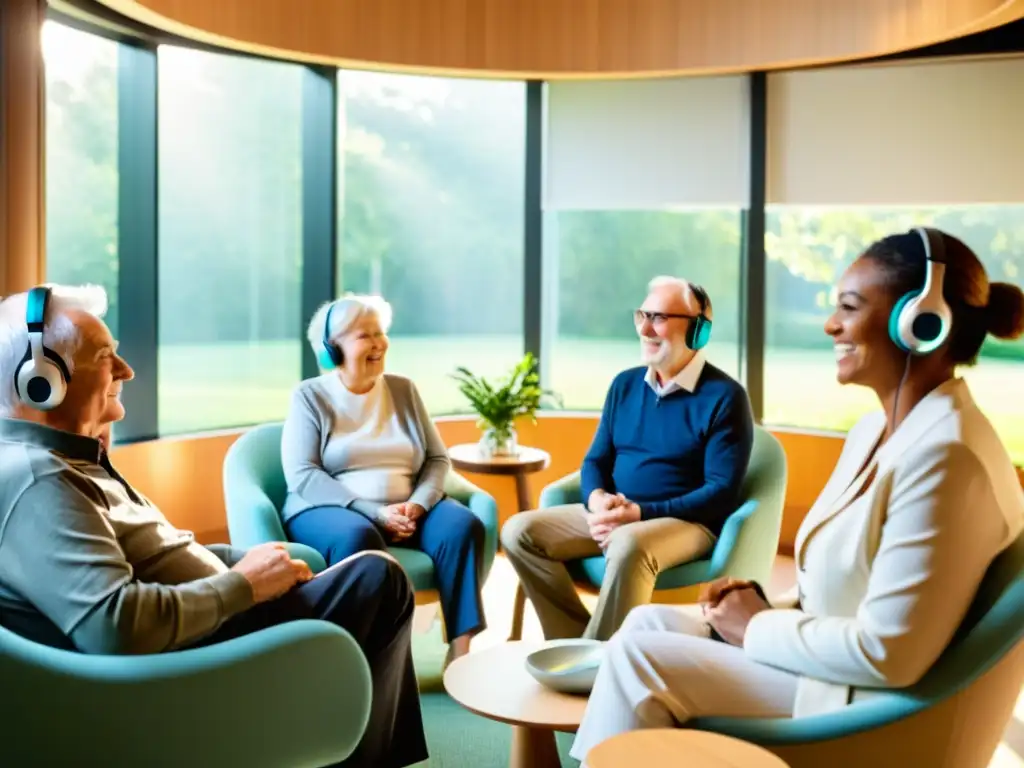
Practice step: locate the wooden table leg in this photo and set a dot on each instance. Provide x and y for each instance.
(518, 609)
(519, 606)
(533, 748)
(523, 492)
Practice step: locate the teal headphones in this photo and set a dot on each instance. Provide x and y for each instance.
(698, 334)
(330, 355)
(921, 320)
(41, 379)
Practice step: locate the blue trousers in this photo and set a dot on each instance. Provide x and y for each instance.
(450, 535)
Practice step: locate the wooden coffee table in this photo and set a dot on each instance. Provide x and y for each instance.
(664, 747)
(494, 683)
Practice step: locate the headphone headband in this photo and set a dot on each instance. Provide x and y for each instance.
(35, 312)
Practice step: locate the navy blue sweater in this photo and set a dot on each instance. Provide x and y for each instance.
(683, 455)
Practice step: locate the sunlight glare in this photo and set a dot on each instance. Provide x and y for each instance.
(69, 54)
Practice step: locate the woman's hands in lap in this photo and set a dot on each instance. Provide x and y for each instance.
(400, 519)
(729, 605)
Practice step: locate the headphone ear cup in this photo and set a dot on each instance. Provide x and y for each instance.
(698, 334)
(325, 359)
(895, 322)
(40, 386)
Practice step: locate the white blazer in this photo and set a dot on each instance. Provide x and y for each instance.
(891, 554)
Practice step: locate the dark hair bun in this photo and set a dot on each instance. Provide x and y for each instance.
(1005, 311)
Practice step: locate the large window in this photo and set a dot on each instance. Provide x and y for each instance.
(230, 239)
(431, 217)
(601, 263)
(81, 160)
(808, 248)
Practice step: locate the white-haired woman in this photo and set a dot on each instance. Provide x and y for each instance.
(365, 465)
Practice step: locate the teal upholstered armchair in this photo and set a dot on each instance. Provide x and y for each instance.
(953, 717)
(747, 545)
(297, 695)
(255, 489)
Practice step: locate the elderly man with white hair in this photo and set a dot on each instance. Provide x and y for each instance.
(366, 467)
(87, 563)
(662, 474)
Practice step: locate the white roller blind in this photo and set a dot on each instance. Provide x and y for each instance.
(931, 133)
(647, 144)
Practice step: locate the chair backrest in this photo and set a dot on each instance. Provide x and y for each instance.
(253, 476)
(993, 626)
(256, 458)
(766, 475)
(750, 553)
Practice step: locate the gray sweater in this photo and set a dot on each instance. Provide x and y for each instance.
(316, 417)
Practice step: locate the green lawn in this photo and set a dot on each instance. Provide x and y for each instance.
(214, 386)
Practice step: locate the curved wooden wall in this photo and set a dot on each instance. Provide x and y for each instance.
(560, 39)
(22, 246)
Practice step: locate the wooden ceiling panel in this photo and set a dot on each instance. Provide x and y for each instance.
(568, 39)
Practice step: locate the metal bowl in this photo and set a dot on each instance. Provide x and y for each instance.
(567, 666)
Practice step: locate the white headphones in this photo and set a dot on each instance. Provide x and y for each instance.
(921, 320)
(42, 377)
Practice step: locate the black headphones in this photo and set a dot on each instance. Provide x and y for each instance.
(41, 379)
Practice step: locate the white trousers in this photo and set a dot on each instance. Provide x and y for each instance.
(661, 669)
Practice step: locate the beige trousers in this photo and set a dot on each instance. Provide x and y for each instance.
(538, 544)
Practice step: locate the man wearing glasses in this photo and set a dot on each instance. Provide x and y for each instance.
(662, 475)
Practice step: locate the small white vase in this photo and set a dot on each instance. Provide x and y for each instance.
(494, 444)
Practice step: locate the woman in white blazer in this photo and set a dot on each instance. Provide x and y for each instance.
(922, 499)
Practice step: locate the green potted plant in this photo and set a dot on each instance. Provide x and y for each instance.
(500, 405)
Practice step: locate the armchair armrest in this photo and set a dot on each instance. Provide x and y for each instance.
(294, 694)
(310, 556)
(481, 504)
(726, 557)
(565, 490)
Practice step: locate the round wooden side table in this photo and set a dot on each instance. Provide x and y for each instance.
(495, 684)
(664, 747)
(467, 457)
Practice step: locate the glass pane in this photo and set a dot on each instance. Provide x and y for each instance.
(807, 251)
(431, 218)
(604, 261)
(230, 239)
(81, 160)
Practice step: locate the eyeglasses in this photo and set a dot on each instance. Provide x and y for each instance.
(656, 318)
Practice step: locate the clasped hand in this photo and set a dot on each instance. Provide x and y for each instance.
(400, 519)
(607, 512)
(729, 605)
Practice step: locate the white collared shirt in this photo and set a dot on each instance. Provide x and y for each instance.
(686, 379)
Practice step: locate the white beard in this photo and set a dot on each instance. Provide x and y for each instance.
(655, 357)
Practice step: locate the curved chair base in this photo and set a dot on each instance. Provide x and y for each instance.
(963, 731)
(69, 708)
